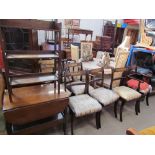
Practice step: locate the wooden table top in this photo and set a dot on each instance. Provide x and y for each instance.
(27, 96)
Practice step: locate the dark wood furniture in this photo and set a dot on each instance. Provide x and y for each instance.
(35, 109)
(73, 32)
(110, 30)
(121, 74)
(102, 43)
(31, 78)
(21, 39)
(80, 104)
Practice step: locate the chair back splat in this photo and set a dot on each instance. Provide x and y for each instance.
(96, 77)
(74, 76)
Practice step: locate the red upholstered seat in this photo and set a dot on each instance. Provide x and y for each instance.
(134, 84)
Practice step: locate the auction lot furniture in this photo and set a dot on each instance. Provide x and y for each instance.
(28, 79)
(73, 32)
(34, 109)
(80, 103)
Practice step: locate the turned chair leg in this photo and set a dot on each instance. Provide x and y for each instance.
(147, 99)
(98, 120)
(121, 110)
(115, 109)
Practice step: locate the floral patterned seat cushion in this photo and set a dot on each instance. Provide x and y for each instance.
(79, 89)
(104, 96)
(127, 93)
(84, 104)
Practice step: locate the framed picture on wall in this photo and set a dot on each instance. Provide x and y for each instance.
(76, 23)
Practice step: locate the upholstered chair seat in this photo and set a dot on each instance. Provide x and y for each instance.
(78, 89)
(104, 96)
(83, 105)
(144, 87)
(127, 93)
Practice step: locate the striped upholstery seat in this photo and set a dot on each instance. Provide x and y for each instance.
(127, 93)
(79, 89)
(104, 96)
(84, 104)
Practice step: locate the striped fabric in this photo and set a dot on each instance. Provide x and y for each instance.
(84, 104)
(127, 93)
(104, 96)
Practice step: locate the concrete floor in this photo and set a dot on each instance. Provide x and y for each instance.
(110, 125)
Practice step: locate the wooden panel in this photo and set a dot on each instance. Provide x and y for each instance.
(40, 126)
(80, 31)
(30, 24)
(35, 112)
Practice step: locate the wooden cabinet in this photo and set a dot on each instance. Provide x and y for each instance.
(21, 39)
(15, 54)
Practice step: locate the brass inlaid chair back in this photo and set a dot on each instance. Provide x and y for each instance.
(96, 76)
(73, 72)
(71, 68)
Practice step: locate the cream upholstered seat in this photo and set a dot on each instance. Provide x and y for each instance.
(104, 96)
(79, 89)
(83, 105)
(127, 93)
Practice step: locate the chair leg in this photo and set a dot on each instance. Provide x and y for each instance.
(136, 108)
(147, 99)
(121, 110)
(72, 120)
(98, 120)
(115, 109)
(65, 121)
(54, 85)
(8, 128)
(139, 106)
